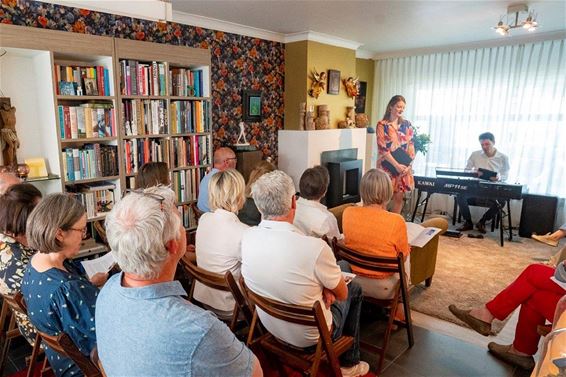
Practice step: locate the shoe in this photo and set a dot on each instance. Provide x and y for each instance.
(360, 369)
(466, 226)
(545, 239)
(501, 351)
(477, 325)
(481, 227)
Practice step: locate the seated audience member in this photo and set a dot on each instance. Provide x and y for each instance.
(16, 205)
(58, 295)
(312, 217)
(7, 180)
(223, 253)
(249, 214)
(153, 174)
(537, 295)
(144, 326)
(551, 239)
(374, 230)
(280, 262)
(224, 158)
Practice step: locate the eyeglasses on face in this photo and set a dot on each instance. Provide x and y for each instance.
(152, 195)
(83, 231)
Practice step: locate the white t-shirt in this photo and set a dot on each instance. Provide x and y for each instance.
(498, 163)
(314, 219)
(280, 262)
(218, 241)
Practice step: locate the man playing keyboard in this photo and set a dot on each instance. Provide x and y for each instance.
(487, 158)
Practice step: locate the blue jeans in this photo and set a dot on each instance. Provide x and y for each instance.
(346, 319)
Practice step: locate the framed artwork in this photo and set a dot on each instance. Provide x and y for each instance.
(91, 87)
(361, 98)
(333, 81)
(252, 105)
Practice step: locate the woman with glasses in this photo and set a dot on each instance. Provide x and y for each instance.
(58, 295)
(16, 204)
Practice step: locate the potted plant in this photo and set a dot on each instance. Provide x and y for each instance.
(421, 141)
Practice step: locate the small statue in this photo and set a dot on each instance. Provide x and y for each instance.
(302, 115)
(352, 86)
(242, 135)
(9, 142)
(309, 119)
(362, 120)
(318, 83)
(350, 119)
(323, 120)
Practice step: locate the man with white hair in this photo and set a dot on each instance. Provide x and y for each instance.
(144, 327)
(7, 180)
(281, 263)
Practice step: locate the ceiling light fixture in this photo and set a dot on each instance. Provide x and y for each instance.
(530, 23)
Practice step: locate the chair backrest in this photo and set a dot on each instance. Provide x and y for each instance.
(369, 262)
(210, 279)
(16, 302)
(241, 299)
(96, 360)
(198, 213)
(64, 345)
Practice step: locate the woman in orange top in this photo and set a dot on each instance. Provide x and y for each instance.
(395, 132)
(373, 230)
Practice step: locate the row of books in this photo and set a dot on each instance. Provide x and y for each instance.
(186, 82)
(185, 183)
(89, 120)
(144, 117)
(191, 150)
(98, 198)
(142, 79)
(188, 216)
(90, 161)
(82, 80)
(189, 116)
(139, 151)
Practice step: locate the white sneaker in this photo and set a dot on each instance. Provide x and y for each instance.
(360, 369)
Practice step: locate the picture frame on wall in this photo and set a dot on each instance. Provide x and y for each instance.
(333, 81)
(251, 106)
(361, 98)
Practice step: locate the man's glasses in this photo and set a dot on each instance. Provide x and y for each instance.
(152, 195)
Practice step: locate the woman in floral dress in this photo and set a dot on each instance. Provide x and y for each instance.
(395, 132)
(16, 205)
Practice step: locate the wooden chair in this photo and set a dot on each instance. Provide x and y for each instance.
(64, 345)
(224, 283)
(400, 294)
(198, 213)
(308, 362)
(15, 304)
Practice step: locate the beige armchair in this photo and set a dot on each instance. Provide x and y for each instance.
(423, 259)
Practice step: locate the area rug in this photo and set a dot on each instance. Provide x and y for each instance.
(470, 272)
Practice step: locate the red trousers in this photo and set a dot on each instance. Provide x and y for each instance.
(537, 295)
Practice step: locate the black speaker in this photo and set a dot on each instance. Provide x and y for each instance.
(537, 215)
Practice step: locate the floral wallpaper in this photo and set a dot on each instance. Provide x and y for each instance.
(238, 62)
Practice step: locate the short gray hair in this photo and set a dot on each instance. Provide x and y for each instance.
(273, 194)
(56, 211)
(139, 226)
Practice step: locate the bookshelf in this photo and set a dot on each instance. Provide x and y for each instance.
(76, 109)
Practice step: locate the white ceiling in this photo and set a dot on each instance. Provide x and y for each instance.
(379, 26)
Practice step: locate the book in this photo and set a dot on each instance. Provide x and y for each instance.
(419, 236)
(401, 157)
(486, 174)
(37, 167)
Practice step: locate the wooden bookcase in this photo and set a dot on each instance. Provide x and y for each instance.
(29, 76)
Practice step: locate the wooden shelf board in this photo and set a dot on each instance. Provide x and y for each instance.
(190, 134)
(84, 98)
(90, 180)
(88, 140)
(188, 98)
(158, 136)
(49, 177)
(189, 167)
(143, 97)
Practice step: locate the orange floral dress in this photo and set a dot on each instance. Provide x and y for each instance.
(389, 139)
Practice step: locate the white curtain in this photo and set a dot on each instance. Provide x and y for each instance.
(517, 92)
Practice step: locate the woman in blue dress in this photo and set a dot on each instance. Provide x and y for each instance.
(58, 295)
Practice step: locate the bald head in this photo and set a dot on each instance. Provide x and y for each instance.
(7, 180)
(224, 158)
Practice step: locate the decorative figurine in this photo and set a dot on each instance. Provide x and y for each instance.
(242, 135)
(352, 86)
(362, 120)
(318, 83)
(323, 120)
(302, 115)
(9, 142)
(309, 119)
